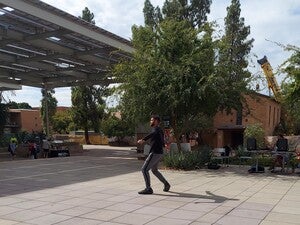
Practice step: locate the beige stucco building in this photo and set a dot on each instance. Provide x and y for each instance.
(24, 120)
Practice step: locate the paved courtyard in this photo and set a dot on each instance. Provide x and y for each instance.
(100, 187)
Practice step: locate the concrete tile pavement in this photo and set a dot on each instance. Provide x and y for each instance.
(100, 187)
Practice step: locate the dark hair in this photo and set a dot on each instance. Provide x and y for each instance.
(156, 117)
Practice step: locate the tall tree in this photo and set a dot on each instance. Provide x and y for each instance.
(87, 15)
(48, 109)
(171, 74)
(234, 48)
(194, 11)
(87, 101)
(148, 11)
(87, 107)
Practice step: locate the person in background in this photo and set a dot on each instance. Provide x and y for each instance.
(32, 147)
(46, 147)
(12, 147)
(227, 150)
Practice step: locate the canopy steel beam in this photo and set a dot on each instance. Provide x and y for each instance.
(74, 26)
(42, 45)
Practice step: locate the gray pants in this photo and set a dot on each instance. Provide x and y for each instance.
(152, 163)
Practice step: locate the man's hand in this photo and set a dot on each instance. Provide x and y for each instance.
(141, 141)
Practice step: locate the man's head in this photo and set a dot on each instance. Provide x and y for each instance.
(154, 121)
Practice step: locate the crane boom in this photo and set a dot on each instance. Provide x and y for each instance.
(272, 83)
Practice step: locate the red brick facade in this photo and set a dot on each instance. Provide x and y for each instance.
(227, 130)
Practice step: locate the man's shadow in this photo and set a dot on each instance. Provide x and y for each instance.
(209, 195)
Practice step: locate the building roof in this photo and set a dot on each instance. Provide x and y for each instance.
(22, 110)
(42, 46)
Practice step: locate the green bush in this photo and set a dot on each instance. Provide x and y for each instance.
(255, 131)
(188, 160)
(22, 137)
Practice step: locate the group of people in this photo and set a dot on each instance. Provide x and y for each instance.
(34, 146)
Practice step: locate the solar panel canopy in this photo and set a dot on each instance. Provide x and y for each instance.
(45, 47)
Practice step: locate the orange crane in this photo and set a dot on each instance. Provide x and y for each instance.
(272, 83)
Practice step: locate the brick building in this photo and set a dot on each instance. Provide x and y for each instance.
(228, 129)
(24, 120)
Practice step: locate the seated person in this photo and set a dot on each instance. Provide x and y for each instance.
(278, 159)
(227, 150)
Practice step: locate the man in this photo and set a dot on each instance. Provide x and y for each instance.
(46, 147)
(12, 147)
(156, 153)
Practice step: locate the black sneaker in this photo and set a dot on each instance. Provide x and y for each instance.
(167, 187)
(146, 191)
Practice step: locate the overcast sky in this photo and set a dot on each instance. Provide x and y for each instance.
(274, 20)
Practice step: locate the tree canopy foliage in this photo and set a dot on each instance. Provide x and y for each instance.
(173, 71)
(20, 105)
(117, 127)
(48, 109)
(62, 122)
(234, 49)
(291, 90)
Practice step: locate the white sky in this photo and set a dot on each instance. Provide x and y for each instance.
(274, 20)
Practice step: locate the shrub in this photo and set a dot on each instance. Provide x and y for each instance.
(255, 131)
(188, 160)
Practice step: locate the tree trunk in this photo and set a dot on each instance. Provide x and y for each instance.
(86, 135)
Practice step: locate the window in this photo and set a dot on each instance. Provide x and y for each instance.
(274, 113)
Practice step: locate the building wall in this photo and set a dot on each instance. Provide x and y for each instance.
(27, 120)
(31, 120)
(258, 109)
(263, 110)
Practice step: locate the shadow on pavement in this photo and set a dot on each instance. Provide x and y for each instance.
(209, 196)
(21, 176)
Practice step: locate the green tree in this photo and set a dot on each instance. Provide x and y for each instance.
(24, 105)
(87, 15)
(12, 105)
(49, 104)
(87, 107)
(171, 74)
(15, 105)
(291, 90)
(116, 127)
(87, 101)
(61, 122)
(193, 11)
(234, 48)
